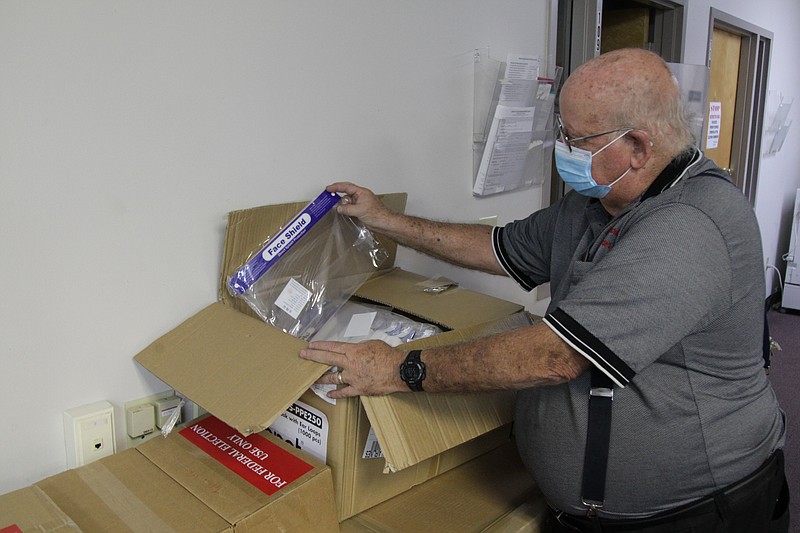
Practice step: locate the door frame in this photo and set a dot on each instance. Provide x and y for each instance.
(578, 35)
(751, 95)
(579, 30)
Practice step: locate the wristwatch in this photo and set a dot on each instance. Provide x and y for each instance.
(412, 371)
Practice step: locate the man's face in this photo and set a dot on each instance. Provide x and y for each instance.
(581, 122)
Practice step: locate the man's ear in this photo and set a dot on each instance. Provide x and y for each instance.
(642, 148)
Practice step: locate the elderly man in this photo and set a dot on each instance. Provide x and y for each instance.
(657, 283)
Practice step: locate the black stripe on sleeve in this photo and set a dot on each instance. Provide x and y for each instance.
(502, 257)
(590, 347)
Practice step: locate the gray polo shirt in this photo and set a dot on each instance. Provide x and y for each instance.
(667, 299)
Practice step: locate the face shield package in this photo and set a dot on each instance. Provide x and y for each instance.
(300, 277)
(357, 322)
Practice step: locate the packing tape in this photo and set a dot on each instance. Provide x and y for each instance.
(119, 499)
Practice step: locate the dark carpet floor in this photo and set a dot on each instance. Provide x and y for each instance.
(784, 327)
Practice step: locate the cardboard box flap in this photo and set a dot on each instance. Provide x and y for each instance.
(249, 229)
(407, 438)
(199, 473)
(234, 498)
(30, 509)
(236, 367)
(470, 497)
(450, 420)
(454, 308)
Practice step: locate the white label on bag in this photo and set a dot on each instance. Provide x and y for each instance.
(305, 428)
(293, 298)
(360, 325)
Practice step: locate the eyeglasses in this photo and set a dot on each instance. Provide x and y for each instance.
(567, 140)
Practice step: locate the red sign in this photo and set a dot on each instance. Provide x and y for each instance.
(262, 463)
(11, 529)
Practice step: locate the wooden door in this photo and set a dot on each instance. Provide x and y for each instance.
(625, 28)
(721, 106)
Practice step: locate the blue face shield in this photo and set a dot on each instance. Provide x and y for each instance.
(575, 168)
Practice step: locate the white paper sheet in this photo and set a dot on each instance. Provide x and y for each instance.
(506, 150)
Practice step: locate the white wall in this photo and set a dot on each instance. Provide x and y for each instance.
(779, 175)
(128, 129)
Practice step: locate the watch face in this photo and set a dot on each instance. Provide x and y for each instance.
(411, 371)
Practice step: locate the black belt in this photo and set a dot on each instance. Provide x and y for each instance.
(716, 503)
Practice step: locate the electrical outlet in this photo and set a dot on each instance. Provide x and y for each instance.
(133, 405)
(89, 433)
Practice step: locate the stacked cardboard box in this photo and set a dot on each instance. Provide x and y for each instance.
(176, 485)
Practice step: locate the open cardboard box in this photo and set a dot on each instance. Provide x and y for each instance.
(247, 373)
(359, 479)
(173, 485)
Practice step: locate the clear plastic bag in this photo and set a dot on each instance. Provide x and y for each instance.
(357, 322)
(300, 277)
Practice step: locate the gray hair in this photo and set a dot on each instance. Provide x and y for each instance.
(662, 114)
(635, 88)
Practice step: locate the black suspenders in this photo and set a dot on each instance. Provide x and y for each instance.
(598, 434)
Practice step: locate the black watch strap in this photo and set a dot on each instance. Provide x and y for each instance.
(412, 371)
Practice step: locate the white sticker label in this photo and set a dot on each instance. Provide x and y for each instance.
(714, 124)
(165, 413)
(305, 428)
(360, 325)
(293, 298)
(372, 450)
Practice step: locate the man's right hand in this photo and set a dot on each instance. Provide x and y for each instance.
(466, 245)
(362, 204)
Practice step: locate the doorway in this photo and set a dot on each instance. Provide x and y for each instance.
(738, 59)
(585, 28)
(722, 90)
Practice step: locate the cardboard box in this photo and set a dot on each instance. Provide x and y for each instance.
(247, 374)
(491, 493)
(527, 518)
(126, 492)
(361, 482)
(174, 484)
(30, 509)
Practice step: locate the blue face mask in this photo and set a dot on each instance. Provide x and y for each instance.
(575, 168)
